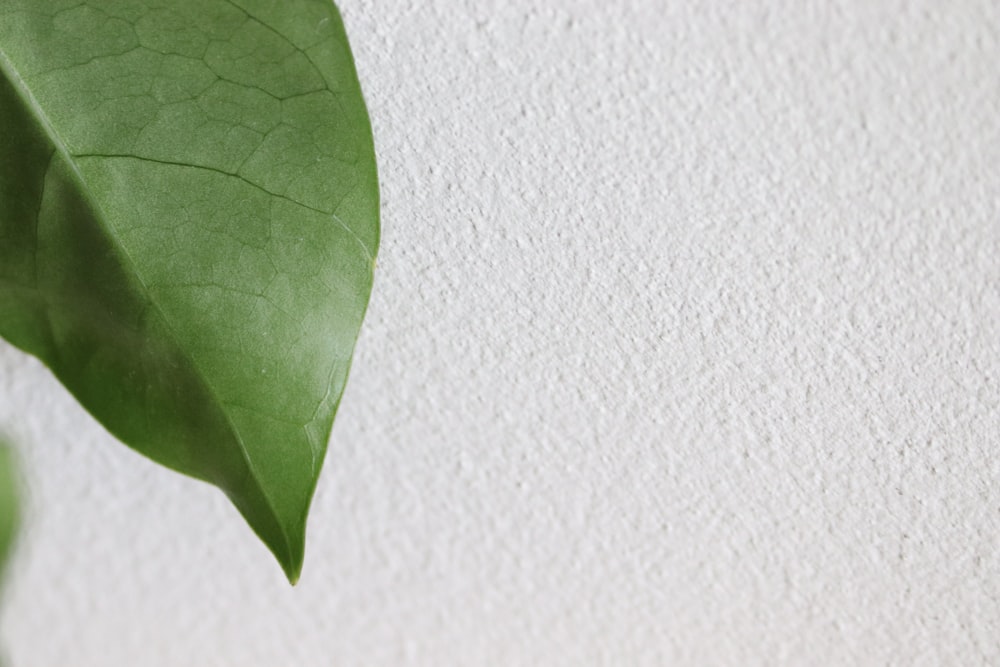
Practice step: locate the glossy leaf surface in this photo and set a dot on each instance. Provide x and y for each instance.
(188, 225)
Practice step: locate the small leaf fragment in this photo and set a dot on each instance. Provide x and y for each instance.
(8, 504)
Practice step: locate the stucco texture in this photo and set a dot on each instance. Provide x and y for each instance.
(684, 349)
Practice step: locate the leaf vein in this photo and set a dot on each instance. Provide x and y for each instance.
(334, 216)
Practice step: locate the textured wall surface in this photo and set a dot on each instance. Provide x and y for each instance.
(684, 349)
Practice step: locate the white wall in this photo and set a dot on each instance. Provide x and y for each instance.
(684, 349)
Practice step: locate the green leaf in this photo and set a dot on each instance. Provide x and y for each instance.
(188, 225)
(8, 504)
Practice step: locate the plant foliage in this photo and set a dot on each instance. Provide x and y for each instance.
(188, 227)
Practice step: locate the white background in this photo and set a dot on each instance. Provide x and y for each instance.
(684, 349)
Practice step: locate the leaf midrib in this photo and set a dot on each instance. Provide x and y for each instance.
(8, 70)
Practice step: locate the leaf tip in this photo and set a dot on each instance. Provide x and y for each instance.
(284, 538)
(292, 561)
(289, 550)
